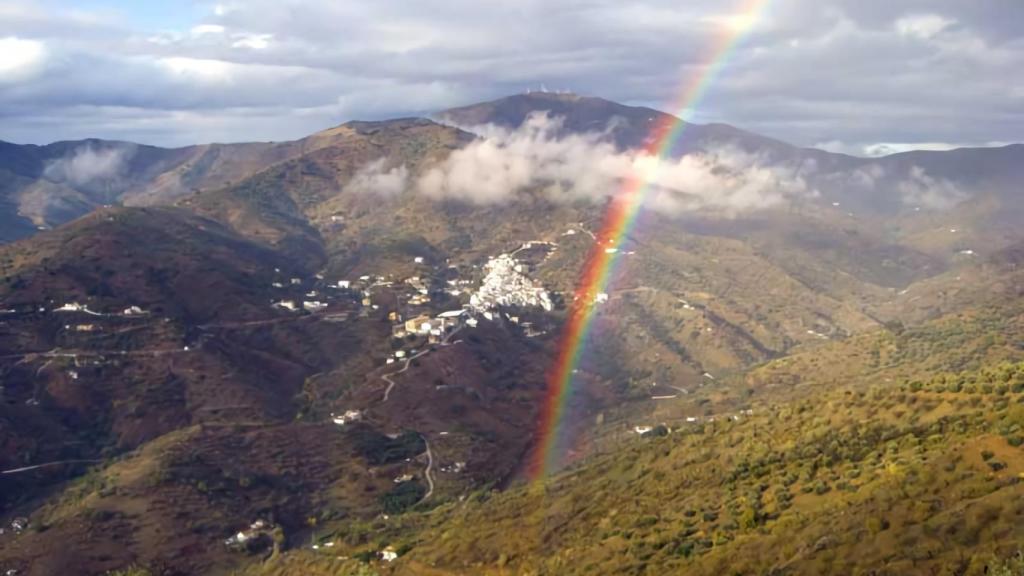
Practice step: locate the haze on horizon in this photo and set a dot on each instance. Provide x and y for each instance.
(863, 77)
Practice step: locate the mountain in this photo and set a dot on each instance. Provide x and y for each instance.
(229, 345)
(145, 341)
(45, 186)
(628, 126)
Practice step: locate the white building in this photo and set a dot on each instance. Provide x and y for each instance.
(314, 305)
(287, 305)
(70, 307)
(348, 416)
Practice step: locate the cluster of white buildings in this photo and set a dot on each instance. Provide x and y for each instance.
(505, 284)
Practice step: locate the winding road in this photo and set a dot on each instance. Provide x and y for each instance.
(408, 361)
(427, 472)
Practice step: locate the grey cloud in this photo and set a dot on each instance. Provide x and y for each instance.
(831, 71)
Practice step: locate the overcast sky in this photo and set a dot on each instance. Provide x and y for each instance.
(859, 76)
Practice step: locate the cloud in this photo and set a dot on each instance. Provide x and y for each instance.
(20, 59)
(912, 186)
(502, 164)
(816, 66)
(87, 165)
(377, 178)
(920, 189)
(923, 26)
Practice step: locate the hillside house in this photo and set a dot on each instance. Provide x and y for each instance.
(314, 306)
(347, 417)
(287, 305)
(133, 311)
(419, 325)
(70, 307)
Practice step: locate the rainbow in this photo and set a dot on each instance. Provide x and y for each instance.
(619, 221)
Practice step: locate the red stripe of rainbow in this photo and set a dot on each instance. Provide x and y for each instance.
(619, 220)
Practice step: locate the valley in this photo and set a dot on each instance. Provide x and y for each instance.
(298, 358)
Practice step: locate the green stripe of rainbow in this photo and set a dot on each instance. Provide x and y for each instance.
(619, 220)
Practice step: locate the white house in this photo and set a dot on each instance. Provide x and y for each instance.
(70, 307)
(287, 305)
(642, 429)
(133, 311)
(344, 284)
(314, 305)
(418, 259)
(348, 416)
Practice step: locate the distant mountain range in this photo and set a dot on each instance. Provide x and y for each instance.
(45, 186)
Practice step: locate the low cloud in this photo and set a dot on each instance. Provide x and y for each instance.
(504, 163)
(920, 189)
(86, 165)
(377, 178)
(913, 186)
